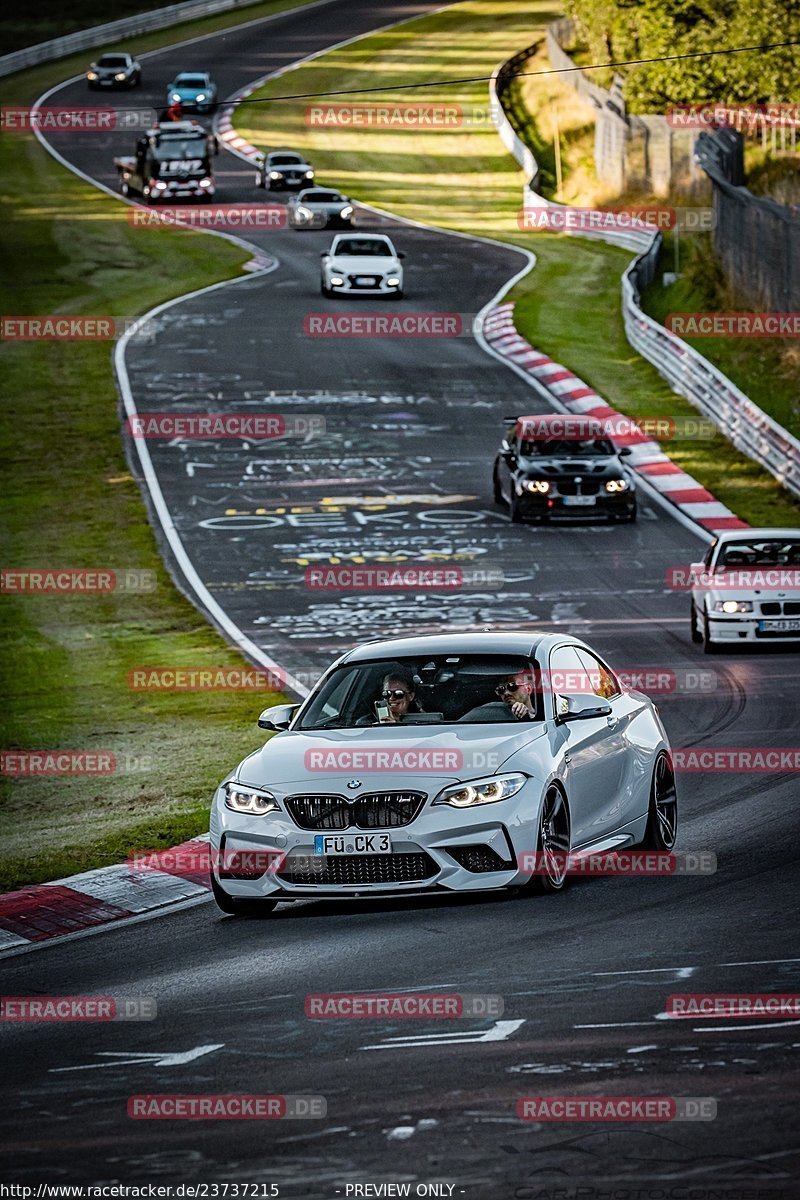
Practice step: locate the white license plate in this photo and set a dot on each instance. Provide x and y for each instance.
(780, 626)
(352, 843)
(366, 280)
(577, 500)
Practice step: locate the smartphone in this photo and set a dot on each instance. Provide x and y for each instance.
(381, 710)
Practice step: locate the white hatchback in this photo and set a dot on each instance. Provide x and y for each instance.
(364, 264)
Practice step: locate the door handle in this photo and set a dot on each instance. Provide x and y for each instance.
(612, 722)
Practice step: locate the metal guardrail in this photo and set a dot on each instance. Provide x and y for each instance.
(99, 35)
(745, 425)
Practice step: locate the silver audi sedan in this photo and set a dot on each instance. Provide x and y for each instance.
(443, 763)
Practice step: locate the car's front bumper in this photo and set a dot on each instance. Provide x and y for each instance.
(443, 849)
(750, 628)
(538, 504)
(352, 289)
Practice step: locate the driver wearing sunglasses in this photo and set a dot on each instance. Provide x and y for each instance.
(515, 692)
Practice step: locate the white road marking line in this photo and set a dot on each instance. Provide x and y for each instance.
(641, 1049)
(500, 1031)
(159, 1058)
(614, 1025)
(735, 1028)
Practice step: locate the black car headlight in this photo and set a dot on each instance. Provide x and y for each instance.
(481, 791)
(255, 802)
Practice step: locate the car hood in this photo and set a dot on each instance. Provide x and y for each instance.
(592, 468)
(364, 264)
(424, 757)
(321, 205)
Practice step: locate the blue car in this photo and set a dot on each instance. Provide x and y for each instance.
(194, 91)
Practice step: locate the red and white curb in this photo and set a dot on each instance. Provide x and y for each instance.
(574, 395)
(48, 910)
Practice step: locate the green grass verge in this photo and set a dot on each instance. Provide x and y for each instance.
(464, 179)
(70, 501)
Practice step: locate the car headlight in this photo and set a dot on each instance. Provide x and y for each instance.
(120, 77)
(276, 175)
(537, 485)
(91, 74)
(309, 174)
(336, 281)
(393, 281)
(733, 606)
(481, 791)
(206, 183)
(347, 211)
(617, 485)
(305, 213)
(175, 96)
(158, 185)
(254, 801)
(200, 96)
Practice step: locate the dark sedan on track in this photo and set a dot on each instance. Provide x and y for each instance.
(562, 466)
(114, 71)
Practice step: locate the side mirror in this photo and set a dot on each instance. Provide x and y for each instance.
(400, 254)
(278, 717)
(625, 452)
(580, 708)
(325, 254)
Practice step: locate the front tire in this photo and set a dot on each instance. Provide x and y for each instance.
(662, 813)
(709, 647)
(696, 635)
(497, 491)
(553, 844)
(326, 291)
(232, 906)
(514, 509)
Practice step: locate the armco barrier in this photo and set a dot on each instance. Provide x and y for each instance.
(100, 35)
(747, 426)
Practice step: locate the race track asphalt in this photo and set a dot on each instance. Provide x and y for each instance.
(403, 468)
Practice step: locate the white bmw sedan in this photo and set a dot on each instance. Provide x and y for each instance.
(364, 264)
(747, 589)
(443, 763)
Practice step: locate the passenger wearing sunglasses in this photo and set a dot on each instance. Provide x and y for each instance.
(396, 699)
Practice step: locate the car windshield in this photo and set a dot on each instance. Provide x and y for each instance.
(284, 160)
(364, 247)
(181, 148)
(320, 197)
(112, 60)
(441, 689)
(191, 81)
(566, 448)
(780, 552)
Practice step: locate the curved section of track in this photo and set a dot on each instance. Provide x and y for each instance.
(403, 472)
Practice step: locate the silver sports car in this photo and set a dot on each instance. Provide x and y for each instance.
(450, 762)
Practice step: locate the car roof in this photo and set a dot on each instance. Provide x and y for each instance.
(364, 237)
(192, 75)
(495, 641)
(559, 425)
(755, 535)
